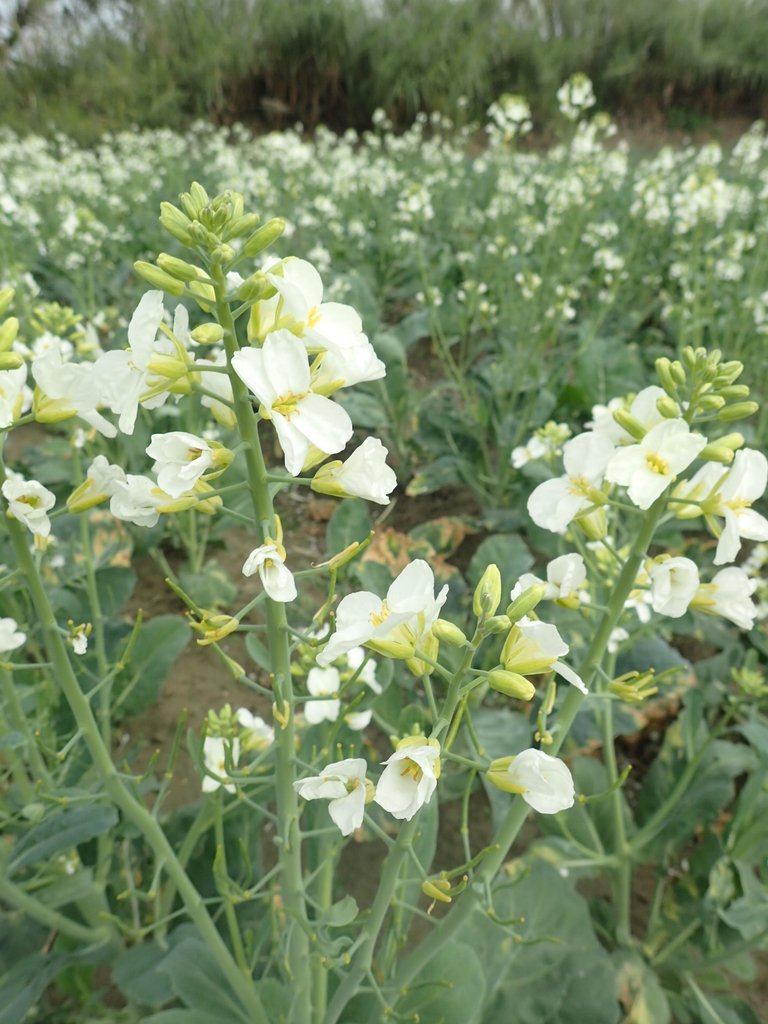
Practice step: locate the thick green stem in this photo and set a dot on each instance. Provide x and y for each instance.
(289, 837)
(623, 877)
(518, 812)
(391, 871)
(134, 812)
(28, 905)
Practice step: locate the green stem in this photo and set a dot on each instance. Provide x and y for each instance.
(229, 909)
(323, 895)
(12, 894)
(623, 878)
(518, 812)
(19, 722)
(289, 837)
(132, 810)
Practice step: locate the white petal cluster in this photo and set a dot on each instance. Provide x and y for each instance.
(555, 503)
(674, 582)
(409, 779)
(544, 782)
(343, 784)
(180, 460)
(565, 576)
(11, 636)
(365, 474)
(406, 614)
(533, 647)
(268, 561)
(323, 682)
(29, 502)
(72, 388)
(646, 469)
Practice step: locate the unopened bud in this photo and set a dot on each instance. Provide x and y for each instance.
(730, 371)
(255, 288)
(664, 370)
(717, 453)
(734, 391)
(351, 551)
(594, 524)
(496, 624)
(392, 649)
(194, 200)
(487, 595)
(6, 298)
(11, 360)
(223, 254)
(177, 268)
(711, 403)
(511, 684)
(176, 223)
(263, 237)
(158, 278)
(429, 645)
(8, 332)
(242, 226)
(525, 603)
(738, 411)
(449, 633)
(207, 334)
(668, 407)
(629, 423)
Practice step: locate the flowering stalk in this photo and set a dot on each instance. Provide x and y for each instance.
(518, 812)
(117, 792)
(289, 848)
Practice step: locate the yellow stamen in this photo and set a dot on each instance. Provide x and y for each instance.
(656, 464)
(376, 618)
(286, 404)
(411, 768)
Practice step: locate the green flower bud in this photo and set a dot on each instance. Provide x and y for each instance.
(496, 624)
(664, 370)
(11, 360)
(223, 254)
(263, 237)
(677, 371)
(207, 334)
(158, 278)
(511, 684)
(177, 268)
(498, 775)
(734, 391)
(8, 332)
(449, 633)
(526, 602)
(255, 288)
(242, 226)
(594, 524)
(730, 371)
(668, 407)
(711, 403)
(738, 411)
(176, 223)
(629, 423)
(6, 298)
(487, 595)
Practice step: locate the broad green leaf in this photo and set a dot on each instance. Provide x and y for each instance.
(549, 968)
(450, 989)
(640, 992)
(160, 642)
(211, 587)
(198, 982)
(61, 830)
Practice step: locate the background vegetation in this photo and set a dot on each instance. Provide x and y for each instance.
(86, 66)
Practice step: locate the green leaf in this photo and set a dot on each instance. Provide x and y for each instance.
(509, 552)
(61, 830)
(211, 587)
(640, 991)
(198, 982)
(159, 644)
(342, 913)
(11, 741)
(183, 1017)
(450, 989)
(349, 523)
(551, 969)
(258, 651)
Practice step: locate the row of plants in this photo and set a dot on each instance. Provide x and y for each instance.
(580, 636)
(162, 62)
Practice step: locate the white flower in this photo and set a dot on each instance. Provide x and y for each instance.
(29, 502)
(358, 720)
(746, 481)
(256, 734)
(180, 460)
(533, 647)
(343, 783)
(674, 581)
(365, 474)
(408, 612)
(215, 751)
(100, 483)
(642, 408)
(648, 468)
(523, 454)
(12, 392)
(278, 374)
(71, 389)
(137, 500)
(275, 577)
(544, 782)
(79, 641)
(553, 504)
(616, 639)
(728, 594)
(323, 682)
(410, 778)
(564, 577)
(124, 376)
(11, 636)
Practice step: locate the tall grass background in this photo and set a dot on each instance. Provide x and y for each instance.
(95, 65)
